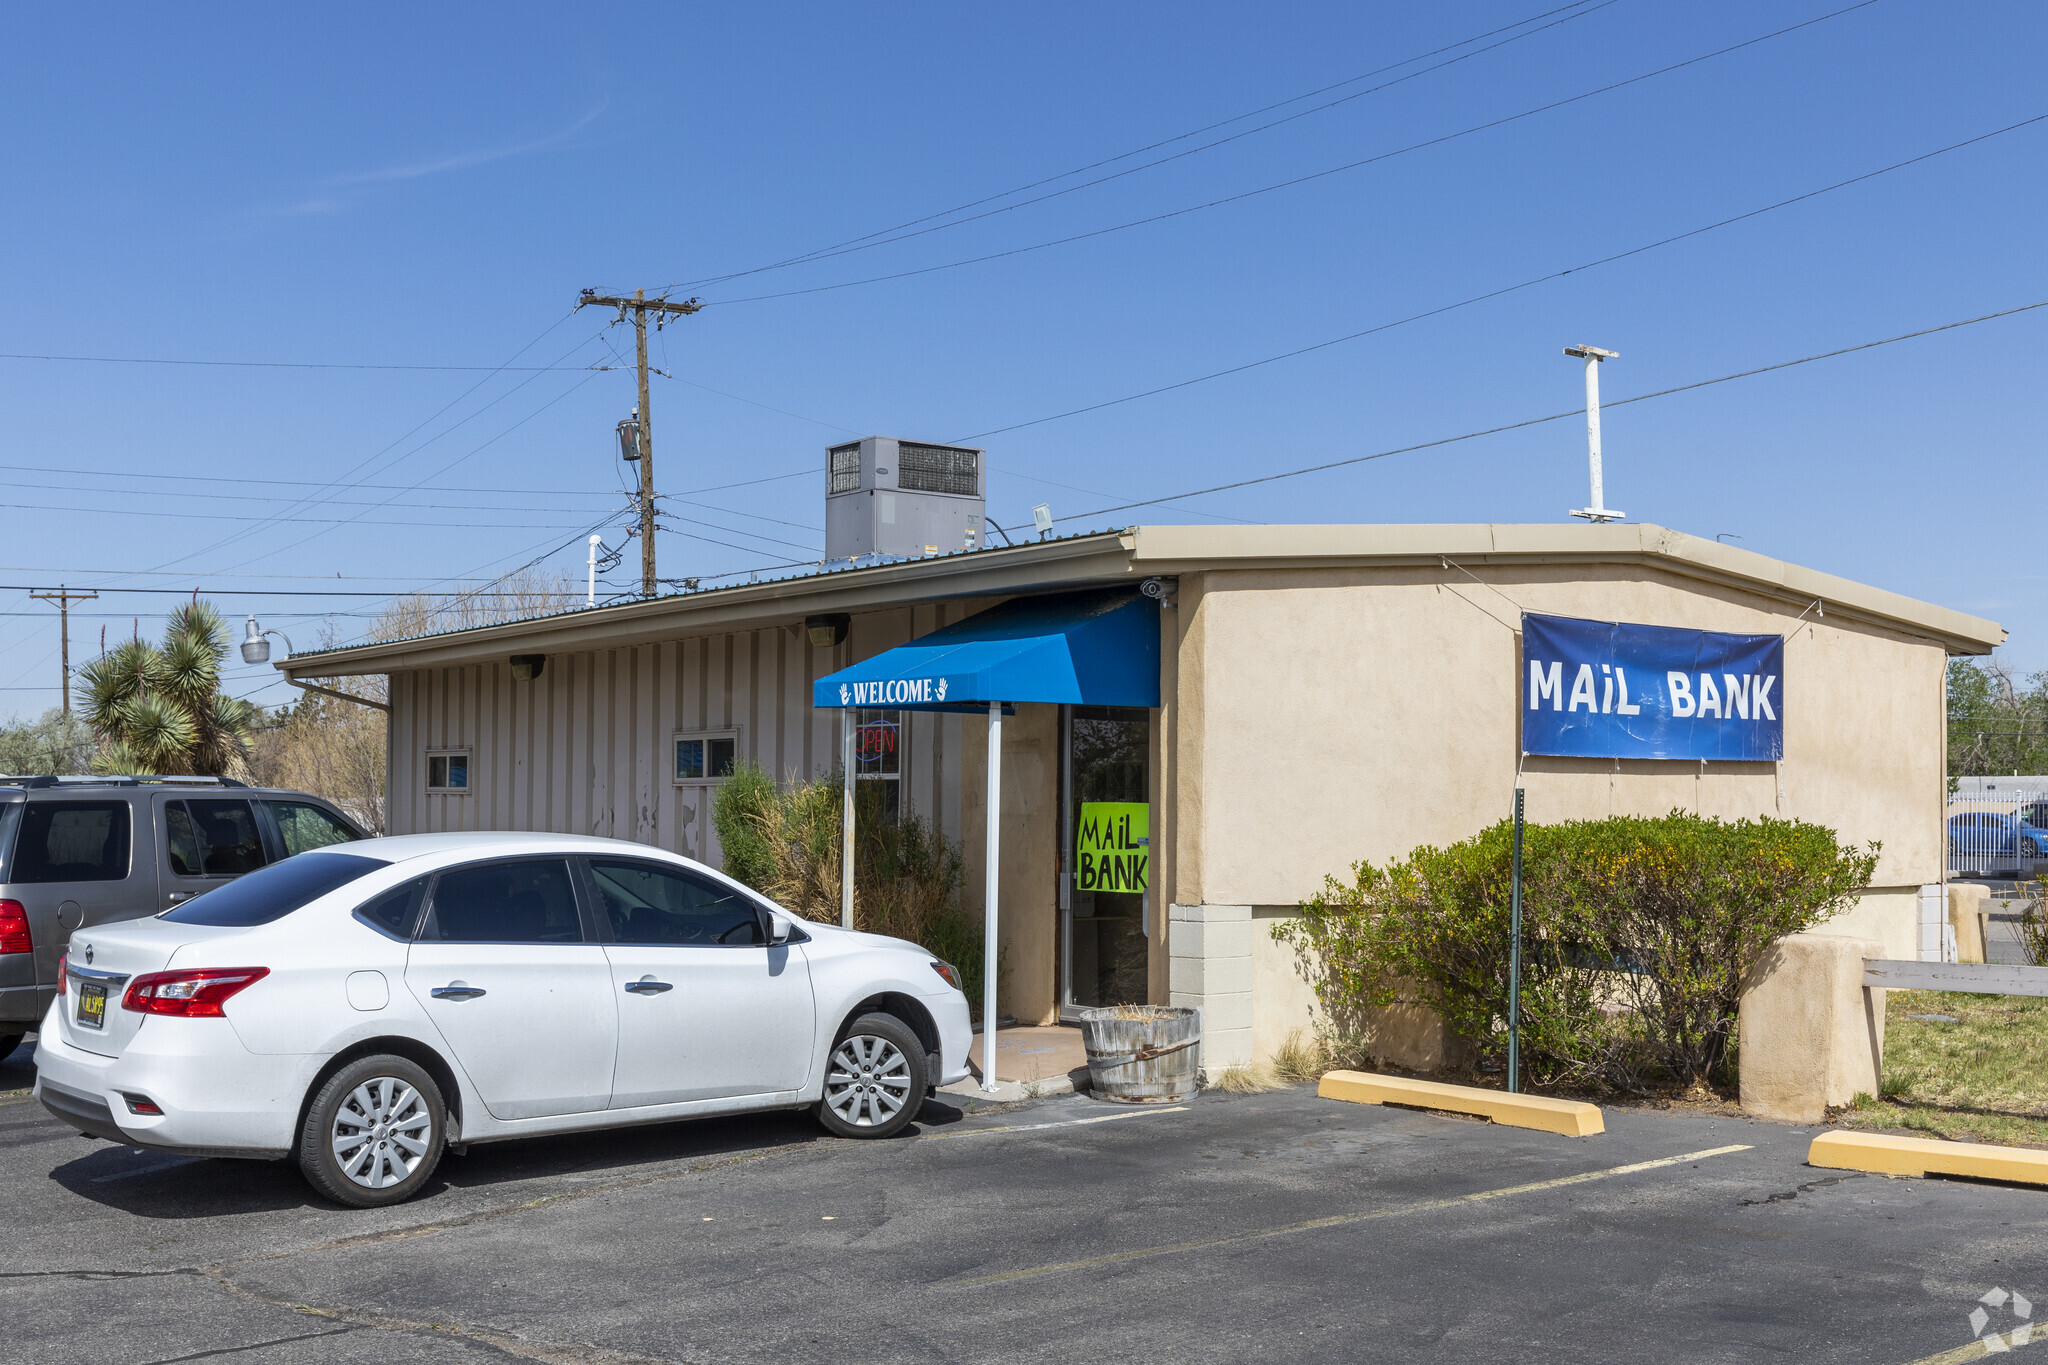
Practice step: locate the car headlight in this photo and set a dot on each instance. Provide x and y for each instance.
(951, 974)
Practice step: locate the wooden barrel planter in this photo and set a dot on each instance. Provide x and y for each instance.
(1143, 1054)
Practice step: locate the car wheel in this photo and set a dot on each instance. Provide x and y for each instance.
(874, 1079)
(2029, 848)
(373, 1133)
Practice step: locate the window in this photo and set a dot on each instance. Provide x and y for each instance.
(448, 770)
(303, 826)
(706, 757)
(271, 894)
(515, 902)
(213, 838)
(72, 841)
(397, 911)
(651, 905)
(878, 755)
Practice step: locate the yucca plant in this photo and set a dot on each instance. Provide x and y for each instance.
(159, 708)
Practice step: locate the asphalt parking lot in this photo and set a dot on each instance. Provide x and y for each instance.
(1234, 1228)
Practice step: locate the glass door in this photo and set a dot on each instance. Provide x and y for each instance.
(1105, 856)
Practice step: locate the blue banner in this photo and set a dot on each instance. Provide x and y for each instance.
(1608, 689)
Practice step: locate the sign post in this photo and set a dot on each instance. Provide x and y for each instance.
(1515, 959)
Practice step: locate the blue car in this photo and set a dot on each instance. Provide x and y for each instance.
(1980, 836)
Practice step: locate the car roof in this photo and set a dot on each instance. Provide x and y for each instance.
(402, 847)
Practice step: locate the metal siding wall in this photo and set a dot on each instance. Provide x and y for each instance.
(584, 748)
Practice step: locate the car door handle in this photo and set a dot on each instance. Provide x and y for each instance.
(456, 990)
(180, 897)
(647, 985)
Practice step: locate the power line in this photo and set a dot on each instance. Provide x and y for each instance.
(1303, 179)
(885, 237)
(1555, 416)
(279, 364)
(1508, 289)
(269, 520)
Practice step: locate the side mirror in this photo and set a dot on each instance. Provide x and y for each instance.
(778, 929)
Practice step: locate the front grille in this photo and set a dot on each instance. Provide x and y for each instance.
(845, 468)
(938, 469)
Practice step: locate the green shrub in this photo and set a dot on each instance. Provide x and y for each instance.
(1637, 934)
(784, 842)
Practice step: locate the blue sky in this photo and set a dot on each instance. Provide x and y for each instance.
(432, 187)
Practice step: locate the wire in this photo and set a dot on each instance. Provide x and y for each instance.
(1557, 416)
(1509, 289)
(1302, 179)
(884, 237)
(834, 426)
(269, 520)
(275, 364)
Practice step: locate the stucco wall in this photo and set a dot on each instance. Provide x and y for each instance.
(1389, 719)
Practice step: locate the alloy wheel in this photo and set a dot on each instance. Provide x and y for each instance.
(869, 1081)
(381, 1133)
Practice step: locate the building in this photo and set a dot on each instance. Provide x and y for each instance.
(1325, 694)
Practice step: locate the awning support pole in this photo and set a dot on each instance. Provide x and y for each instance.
(988, 895)
(846, 820)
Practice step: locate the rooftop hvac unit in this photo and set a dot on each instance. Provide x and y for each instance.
(903, 498)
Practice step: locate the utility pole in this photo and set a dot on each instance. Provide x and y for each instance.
(662, 309)
(64, 597)
(1597, 511)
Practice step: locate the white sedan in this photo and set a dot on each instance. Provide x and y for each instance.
(364, 1006)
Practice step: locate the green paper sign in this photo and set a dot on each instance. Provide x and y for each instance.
(1112, 849)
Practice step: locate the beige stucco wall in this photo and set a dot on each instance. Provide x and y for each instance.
(1028, 890)
(1389, 719)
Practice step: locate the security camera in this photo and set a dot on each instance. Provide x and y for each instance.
(1159, 590)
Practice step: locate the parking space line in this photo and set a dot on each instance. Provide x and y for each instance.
(1059, 1123)
(1339, 1220)
(1979, 1349)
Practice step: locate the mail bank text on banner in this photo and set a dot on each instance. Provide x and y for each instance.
(1609, 689)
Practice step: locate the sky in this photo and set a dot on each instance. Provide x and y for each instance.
(383, 216)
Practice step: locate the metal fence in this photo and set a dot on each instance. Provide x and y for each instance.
(2001, 834)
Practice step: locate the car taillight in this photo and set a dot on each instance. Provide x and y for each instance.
(14, 934)
(195, 994)
(63, 971)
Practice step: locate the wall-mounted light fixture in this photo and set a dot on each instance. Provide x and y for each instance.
(256, 649)
(527, 667)
(827, 631)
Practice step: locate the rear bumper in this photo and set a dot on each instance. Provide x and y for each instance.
(218, 1099)
(22, 1006)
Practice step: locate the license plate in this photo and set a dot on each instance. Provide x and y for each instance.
(92, 1005)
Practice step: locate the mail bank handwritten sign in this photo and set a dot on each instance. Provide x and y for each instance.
(1609, 689)
(1112, 847)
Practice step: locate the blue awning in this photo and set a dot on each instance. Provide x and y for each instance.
(1098, 648)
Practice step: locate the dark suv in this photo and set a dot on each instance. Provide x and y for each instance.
(92, 850)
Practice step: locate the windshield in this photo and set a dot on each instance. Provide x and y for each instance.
(274, 892)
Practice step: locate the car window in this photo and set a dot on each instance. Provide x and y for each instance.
(304, 826)
(512, 902)
(274, 892)
(397, 911)
(649, 904)
(72, 841)
(213, 838)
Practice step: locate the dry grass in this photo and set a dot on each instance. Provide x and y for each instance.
(1306, 1058)
(1981, 1078)
(1245, 1080)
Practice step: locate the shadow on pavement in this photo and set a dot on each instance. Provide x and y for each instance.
(164, 1185)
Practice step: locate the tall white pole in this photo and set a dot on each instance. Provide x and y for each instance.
(988, 894)
(1593, 428)
(846, 728)
(590, 599)
(1598, 511)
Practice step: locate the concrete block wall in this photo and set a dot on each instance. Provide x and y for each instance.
(1210, 968)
